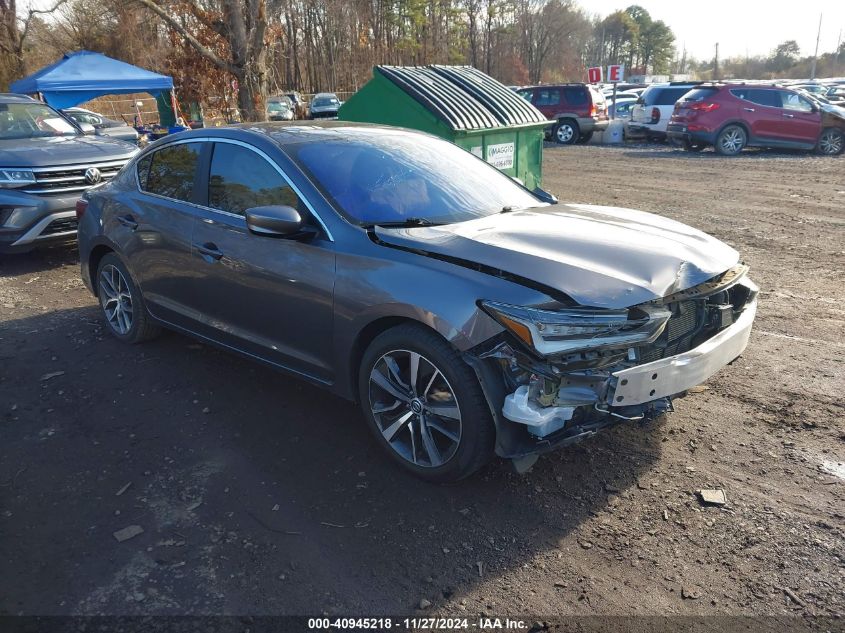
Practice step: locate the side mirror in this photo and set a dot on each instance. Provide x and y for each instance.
(273, 221)
(545, 196)
(87, 129)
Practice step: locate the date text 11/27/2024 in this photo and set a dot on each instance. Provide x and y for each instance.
(417, 624)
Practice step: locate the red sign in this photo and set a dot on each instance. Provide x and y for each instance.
(615, 73)
(594, 75)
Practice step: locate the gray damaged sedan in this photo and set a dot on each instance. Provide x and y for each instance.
(467, 315)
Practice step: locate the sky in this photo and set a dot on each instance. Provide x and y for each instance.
(754, 27)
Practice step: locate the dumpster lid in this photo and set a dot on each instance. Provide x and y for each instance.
(455, 107)
(507, 106)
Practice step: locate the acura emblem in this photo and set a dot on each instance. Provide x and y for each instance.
(92, 176)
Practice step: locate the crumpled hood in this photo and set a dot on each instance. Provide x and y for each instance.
(599, 256)
(63, 150)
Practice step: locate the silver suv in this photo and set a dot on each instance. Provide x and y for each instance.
(652, 111)
(46, 163)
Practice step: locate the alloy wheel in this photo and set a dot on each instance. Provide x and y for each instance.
(831, 142)
(415, 408)
(116, 299)
(565, 133)
(732, 140)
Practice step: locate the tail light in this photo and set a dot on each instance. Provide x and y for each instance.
(593, 110)
(700, 106)
(81, 206)
(655, 115)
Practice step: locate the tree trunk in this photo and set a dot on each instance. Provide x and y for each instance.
(252, 90)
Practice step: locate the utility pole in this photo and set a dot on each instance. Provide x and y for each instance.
(816, 54)
(716, 64)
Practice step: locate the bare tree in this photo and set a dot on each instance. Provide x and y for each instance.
(242, 25)
(14, 32)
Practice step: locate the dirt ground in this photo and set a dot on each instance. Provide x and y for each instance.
(258, 494)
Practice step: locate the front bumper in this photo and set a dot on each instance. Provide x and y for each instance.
(27, 220)
(675, 374)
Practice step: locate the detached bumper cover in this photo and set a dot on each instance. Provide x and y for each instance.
(672, 375)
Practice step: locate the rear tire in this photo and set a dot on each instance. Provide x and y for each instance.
(121, 302)
(440, 428)
(831, 142)
(566, 132)
(731, 140)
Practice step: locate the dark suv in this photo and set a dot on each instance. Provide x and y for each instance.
(578, 110)
(46, 163)
(731, 117)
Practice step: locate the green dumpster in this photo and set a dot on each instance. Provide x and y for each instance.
(462, 105)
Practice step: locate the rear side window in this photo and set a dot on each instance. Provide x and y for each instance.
(525, 94)
(240, 179)
(667, 96)
(769, 98)
(576, 95)
(700, 94)
(171, 171)
(547, 97)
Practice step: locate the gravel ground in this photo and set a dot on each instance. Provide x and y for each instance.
(258, 494)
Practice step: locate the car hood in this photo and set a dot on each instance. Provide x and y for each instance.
(325, 107)
(62, 150)
(834, 111)
(598, 256)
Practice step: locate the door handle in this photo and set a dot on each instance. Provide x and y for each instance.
(749, 109)
(788, 116)
(209, 249)
(128, 221)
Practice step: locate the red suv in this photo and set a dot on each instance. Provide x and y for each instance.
(577, 109)
(731, 117)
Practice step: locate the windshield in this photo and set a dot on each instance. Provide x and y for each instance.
(32, 120)
(384, 178)
(277, 106)
(325, 101)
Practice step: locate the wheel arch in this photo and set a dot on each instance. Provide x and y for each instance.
(367, 335)
(738, 123)
(94, 258)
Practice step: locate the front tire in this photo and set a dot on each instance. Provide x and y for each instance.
(566, 132)
(424, 405)
(731, 141)
(831, 142)
(121, 302)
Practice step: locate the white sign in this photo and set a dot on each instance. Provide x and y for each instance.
(615, 73)
(501, 155)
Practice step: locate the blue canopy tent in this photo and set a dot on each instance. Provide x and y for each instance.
(81, 76)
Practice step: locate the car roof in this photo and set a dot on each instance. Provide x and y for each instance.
(283, 133)
(12, 97)
(325, 94)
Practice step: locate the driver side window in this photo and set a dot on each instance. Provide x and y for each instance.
(240, 179)
(792, 101)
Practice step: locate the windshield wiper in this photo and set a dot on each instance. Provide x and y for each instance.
(408, 222)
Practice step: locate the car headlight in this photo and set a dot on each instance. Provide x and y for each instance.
(14, 177)
(579, 329)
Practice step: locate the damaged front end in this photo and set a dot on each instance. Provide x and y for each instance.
(563, 373)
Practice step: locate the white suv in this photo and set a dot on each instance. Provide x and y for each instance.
(651, 114)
